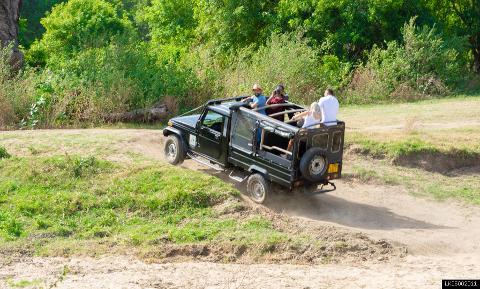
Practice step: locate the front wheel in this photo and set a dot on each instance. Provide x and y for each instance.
(173, 150)
(258, 188)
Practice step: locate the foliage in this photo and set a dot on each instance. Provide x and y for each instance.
(422, 65)
(31, 13)
(461, 18)
(305, 76)
(3, 153)
(17, 91)
(232, 24)
(97, 57)
(171, 24)
(35, 112)
(348, 28)
(74, 26)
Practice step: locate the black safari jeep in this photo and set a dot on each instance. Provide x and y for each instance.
(227, 134)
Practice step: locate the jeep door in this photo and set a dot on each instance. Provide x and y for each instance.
(212, 130)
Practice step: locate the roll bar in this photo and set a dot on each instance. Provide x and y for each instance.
(287, 111)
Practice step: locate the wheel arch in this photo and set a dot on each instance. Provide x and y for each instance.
(256, 169)
(173, 131)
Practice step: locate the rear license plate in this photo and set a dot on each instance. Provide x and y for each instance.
(333, 168)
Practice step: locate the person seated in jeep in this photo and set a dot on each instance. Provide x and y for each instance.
(277, 97)
(329, 107)
(281, 87)
(311, 118)
(257, 100)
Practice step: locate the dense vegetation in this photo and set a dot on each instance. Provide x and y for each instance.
(86, 58)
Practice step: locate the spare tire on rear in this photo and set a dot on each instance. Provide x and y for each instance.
(313, 165)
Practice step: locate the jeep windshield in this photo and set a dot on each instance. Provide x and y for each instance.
(189, 118)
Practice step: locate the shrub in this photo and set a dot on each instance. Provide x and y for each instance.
(306, 75)
(95, 64)
(303, 74)
(3, 153)
(9, 227)
(422, 65)
(17, 90)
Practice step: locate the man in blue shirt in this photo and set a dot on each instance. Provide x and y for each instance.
(257, 100)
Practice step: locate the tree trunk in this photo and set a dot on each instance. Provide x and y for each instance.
(476, 60)
(158, 112)
(9, 15)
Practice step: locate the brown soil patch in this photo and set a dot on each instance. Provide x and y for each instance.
(439, 162)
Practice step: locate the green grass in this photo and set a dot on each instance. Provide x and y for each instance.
(464, 187)
(445, 124)
(435, 132)
(61, 204)
(25, 283)
(410, 146)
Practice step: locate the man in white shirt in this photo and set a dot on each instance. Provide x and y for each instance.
(328, 106)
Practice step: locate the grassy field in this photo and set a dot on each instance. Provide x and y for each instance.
(85, 198)
(95, 191)
(445, 124)
(103, 191)
(431, 147)
(54, 204)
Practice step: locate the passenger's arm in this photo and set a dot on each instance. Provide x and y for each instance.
(268, 100)
(247, 98)
(300, 115)
(254, 103)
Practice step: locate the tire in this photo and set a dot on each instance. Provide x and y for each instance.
(258, 188)
(313, 165)
(174, 152)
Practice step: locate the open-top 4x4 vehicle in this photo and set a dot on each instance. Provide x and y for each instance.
(227, 134)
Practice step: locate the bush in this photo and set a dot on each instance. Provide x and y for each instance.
(17, 91)
(274, 63)
(3, 153)
(96, 64)
(306, 75)
(423, 65)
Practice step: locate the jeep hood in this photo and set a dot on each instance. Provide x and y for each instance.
(188, 120)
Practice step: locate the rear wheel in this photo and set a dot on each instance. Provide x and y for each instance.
(173, 150)
(258, 188)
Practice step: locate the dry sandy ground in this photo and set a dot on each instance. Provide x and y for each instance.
(441, 237)
(122, 272)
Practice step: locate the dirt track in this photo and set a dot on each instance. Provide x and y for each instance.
(441, 237)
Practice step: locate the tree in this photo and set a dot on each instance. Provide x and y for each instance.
(348, 28)
(232, 24)
(31, 13)
(170, 20)
(461, 17)
(171, 25)
(75, 26)
(9, 16)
